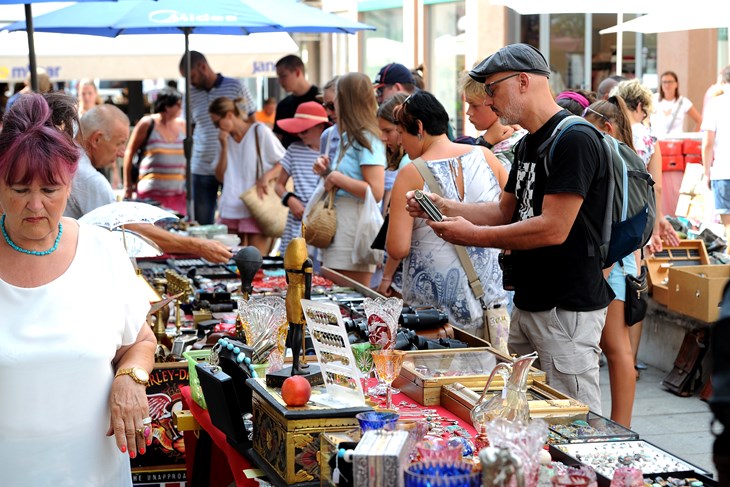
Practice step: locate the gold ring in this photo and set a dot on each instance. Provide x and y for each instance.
(139, 431)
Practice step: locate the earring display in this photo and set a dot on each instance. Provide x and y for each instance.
(339, 370)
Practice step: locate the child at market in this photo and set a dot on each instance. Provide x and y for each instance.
(308, 123)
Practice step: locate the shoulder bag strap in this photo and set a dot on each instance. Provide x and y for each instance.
(676, 111)
(143, 148)
(259, 162)
(474, 283)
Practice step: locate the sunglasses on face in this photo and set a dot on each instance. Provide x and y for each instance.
(489, 87)
(329, 106)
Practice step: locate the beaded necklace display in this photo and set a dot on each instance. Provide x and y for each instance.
(30, 252)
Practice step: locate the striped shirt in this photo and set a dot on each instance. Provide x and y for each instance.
(205, 136)
(163, 168)
(298, 162)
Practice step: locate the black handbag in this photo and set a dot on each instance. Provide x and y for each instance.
(637, 290)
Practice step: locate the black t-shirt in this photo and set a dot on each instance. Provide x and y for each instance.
(287, 107)
(569, 275)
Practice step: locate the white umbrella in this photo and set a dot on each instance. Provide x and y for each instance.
(122, 213)
(618, 7)
(715, 16)
(137, 246)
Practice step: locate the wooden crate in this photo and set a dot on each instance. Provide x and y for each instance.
(543, 401)
(425, 371)
(287, 440)
(688, 253)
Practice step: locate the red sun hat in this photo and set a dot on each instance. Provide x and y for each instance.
(308, 115)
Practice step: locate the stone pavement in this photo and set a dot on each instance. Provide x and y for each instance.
(679, 425)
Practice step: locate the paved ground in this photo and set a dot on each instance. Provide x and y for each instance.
(680, 425)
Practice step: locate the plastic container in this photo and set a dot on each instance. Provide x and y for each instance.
(228, 239)
(194, 357)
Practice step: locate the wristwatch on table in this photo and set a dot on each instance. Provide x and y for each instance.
(138, 374)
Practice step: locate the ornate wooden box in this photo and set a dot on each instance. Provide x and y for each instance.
(286, 441)
(424, 372)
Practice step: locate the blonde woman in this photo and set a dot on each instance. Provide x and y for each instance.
(359, 163)
(241, 142)
(88, 96)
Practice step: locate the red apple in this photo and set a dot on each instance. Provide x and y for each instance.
(295, 391)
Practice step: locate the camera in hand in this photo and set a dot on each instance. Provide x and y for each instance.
(506, 263)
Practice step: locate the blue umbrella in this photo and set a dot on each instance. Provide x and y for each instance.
(239, 17)
(32, 65)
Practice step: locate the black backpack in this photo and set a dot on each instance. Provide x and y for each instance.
(630, 211)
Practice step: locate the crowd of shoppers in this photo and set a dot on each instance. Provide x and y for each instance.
(388, 137)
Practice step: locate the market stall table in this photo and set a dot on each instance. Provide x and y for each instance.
(221, 451)
(237, 463)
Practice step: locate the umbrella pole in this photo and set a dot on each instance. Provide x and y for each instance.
(31, 48)
(188, 144)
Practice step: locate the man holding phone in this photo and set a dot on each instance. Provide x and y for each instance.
(560, 293)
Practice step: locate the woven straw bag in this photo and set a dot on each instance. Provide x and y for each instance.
(269, 213)
(321, 222)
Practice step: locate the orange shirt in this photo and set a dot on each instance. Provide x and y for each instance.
(262, 117)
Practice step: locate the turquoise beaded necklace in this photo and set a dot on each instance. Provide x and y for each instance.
(30, 252)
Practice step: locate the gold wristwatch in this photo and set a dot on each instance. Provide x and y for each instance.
(138, 374)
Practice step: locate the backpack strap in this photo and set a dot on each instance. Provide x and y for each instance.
(474, 283)
(546, 151)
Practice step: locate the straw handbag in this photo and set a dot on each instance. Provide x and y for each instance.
(321, 219)
(268, 212)
(321, 222)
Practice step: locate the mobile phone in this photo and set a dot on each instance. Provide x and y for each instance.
(428, 206)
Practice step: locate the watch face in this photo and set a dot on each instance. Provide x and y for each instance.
(141, 375)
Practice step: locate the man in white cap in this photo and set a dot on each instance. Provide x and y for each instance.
(544, 220)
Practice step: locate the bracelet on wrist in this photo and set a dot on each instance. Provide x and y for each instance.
(286, 196)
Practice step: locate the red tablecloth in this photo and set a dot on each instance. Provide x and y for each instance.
(222, 450)
(237, 463)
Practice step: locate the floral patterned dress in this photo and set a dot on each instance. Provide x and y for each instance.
(432, 272)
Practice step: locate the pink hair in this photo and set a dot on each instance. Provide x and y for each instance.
(32, 147)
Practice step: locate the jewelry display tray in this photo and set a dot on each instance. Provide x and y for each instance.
(599, 429)
(665, 464)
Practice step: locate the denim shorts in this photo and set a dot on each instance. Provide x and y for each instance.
(721, 192)
(617, 277)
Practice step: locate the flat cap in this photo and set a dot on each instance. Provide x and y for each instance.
(514, 57)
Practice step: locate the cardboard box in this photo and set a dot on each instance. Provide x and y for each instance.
(696, 291)
(688, 253)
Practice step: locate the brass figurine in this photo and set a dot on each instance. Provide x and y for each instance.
(298, 267)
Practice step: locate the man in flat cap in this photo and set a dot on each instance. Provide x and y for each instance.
(542, 219)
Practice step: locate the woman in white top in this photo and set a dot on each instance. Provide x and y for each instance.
(242, 144)
(75, 349)
(670, 108)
